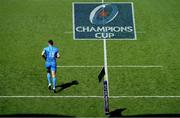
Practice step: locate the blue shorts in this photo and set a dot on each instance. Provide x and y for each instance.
(51, 66)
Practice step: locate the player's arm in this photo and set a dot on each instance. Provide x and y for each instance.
(57, 55)
(43, 55)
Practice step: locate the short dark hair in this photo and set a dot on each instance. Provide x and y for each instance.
(50, 42)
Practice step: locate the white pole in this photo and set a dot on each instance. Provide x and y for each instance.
(106, 83)
(105, 61)
(105, 65)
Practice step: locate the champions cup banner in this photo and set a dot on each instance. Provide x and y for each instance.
(103, 21)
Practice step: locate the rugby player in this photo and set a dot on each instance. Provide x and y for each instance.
(50, 53)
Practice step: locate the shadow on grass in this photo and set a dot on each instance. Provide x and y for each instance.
(118, 113)
(35, 115)
(66, 85)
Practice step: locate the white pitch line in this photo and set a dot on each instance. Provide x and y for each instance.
(111, 66)
(78, 66)
(51, 96)
(116, 97)
(113, 97)
(136, 66)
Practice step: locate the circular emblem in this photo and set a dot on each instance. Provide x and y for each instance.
(103, 14)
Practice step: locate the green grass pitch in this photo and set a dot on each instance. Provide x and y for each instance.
(27, 25)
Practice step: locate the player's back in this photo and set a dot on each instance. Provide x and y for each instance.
(51, 53)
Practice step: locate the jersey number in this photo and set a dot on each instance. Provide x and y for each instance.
(51, 54)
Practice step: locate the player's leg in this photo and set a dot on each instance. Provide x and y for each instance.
(49, 78)
(53, 72)
(48, 68)
(54, 79)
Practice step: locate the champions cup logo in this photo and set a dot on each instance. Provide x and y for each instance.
(103, 14)
(103, 21)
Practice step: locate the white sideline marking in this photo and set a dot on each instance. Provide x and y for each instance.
(117, 66)
(51, 96)
(114, 97)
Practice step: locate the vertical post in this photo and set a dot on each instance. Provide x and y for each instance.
(105, 64)
(105, 83)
